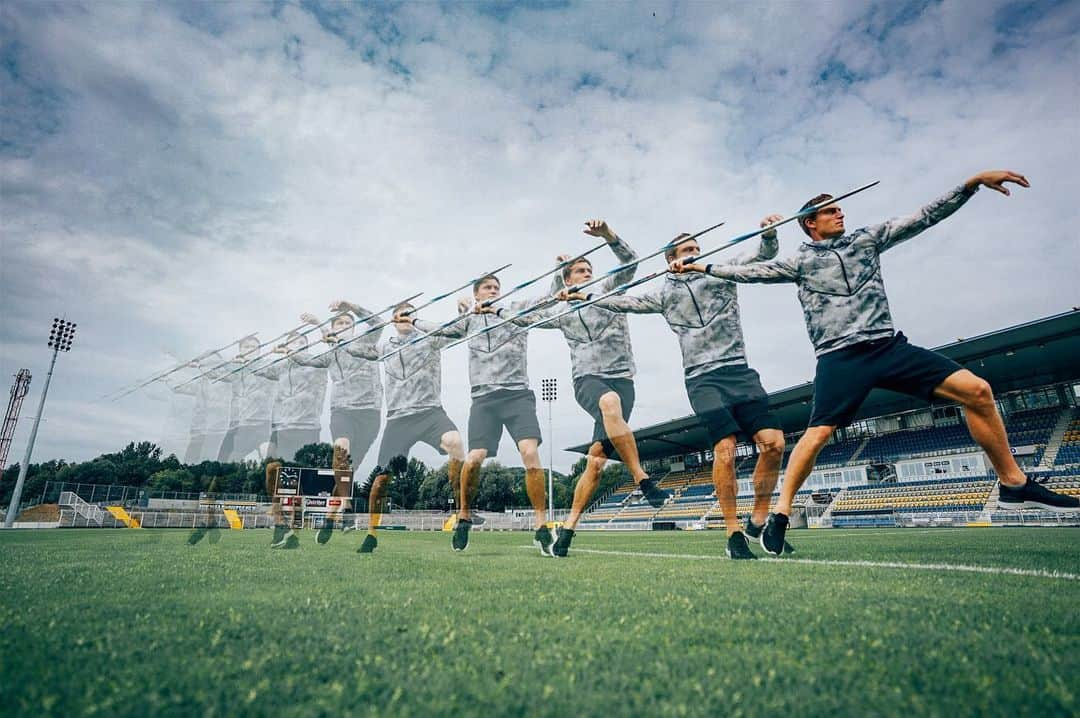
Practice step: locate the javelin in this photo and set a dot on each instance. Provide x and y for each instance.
(178, 367)
(264, 354)
(537, 278)
(459, 317)
(551, 300)
(323, 323)
(730, 243)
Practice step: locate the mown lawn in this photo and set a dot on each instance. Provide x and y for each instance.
(137, 622)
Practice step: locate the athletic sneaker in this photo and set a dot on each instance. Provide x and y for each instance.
(370, 542)
(656, 496)
(1033, 495)
(478, 520)
(737, 548)
(772, 536)
(196, 536)
(279, 535)
(542, 540)
(326, 532)
(563, 537)
(290, 540)
(460, 542)
(754, 531)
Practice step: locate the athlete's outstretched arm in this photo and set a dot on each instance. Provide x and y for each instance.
(767, 248)
(321, 361)
(622, 251)
(651, 303)
(891, 233)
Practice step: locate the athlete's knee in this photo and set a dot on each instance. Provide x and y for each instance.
(980, 395)
(474, 458)
(771, 445)
(724, 452)
(818, 436)
(530, 457)
(451, 444)
(610, 404)
(597, 457)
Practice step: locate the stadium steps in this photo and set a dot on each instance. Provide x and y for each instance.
(1057, 437)
(121, 515)
(991, 503)
(859, 450)
(826, 516)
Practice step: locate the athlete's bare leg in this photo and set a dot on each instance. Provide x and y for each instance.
(620, 435)
(587, 484)
(770, 447)
(535, 485)
(984, 422)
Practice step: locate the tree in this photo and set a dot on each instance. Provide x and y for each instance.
(172, 480)
(434, 491)
(316, 456)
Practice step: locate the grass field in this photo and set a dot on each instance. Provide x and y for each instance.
(122, 622)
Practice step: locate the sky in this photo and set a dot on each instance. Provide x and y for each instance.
(176, 175)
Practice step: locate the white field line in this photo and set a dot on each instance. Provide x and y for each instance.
(957, 568)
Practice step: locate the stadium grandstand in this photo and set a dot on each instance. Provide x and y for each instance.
(900, 463)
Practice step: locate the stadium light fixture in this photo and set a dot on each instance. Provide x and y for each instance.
(60, 338)
(549, 392)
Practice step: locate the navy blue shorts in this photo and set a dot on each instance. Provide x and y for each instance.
(514, 409)
(404, 432)
(587, 393)
(846, 376)
(730, 399)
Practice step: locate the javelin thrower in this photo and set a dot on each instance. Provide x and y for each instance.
(414, 411)
(842, 293)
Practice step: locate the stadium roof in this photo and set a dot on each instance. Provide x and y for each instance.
(1041, 352)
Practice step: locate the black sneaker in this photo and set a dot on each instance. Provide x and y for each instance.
(542, 540)
(196, 536)
(737, 548)
(772, 536)
(289, 540)
(370, 542)
(326, 532)
(279, 535)
(478, 520)
(460, 541)
(563, 537)
(656, 496)
(754, 531)
(1033, 495)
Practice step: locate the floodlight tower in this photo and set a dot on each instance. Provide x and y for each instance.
(549, 392)
(60, 338)
(19, 390)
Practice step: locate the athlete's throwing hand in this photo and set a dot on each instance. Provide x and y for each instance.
(771, 219)
(600, 228)
(996, 179)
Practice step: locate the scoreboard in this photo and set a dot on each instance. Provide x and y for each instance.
(309, 489)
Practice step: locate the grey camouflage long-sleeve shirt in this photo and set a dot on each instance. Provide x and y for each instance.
(413, 375)
(252, 397)
(840, 285)
(599, 338)
(210, 411)
(301, 392)
(354, 376)
(702, 310)
(497, 359)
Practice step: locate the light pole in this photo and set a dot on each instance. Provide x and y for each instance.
(60, 338)
(549, 392)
